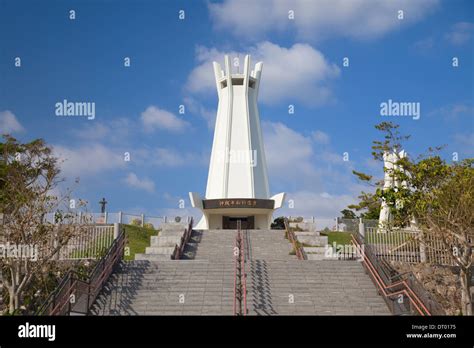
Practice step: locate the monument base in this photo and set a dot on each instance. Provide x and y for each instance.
(226, 213)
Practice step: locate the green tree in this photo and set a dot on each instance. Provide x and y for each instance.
(136, 222)
(28, 176)
(348, 214)
(368, 206)
(149, 226)
(437, 196)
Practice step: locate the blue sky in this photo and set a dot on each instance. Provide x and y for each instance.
(137, 107)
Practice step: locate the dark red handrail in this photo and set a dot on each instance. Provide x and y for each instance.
(240, 276)
(384, 288)
(235, 275)
(60, 298)
(300, 254)
(243, 274)
(179, 249)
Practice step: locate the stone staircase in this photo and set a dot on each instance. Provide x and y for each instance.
(211, 245)
(163, 246)
(267, 245)
(202, 282)
(178, 287)
(279, 284)
(289, 287)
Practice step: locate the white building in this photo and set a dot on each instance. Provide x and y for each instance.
(237, 184)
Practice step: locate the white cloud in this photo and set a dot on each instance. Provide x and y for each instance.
(167, 157)
(425, 44)
(298, 162)
(320, 183)
(9, 123)
(289, 154)
(465, 142)
(325, 207)
(320, 137)
(142, 184)
(453, 111)
(296, 74)
(87, 160)
(198, 108)
(315, 20)
(460, 33)
(112, 130)
(156, 118)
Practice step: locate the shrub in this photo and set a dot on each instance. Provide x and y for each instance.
(278, 223)
(136, 222)
(149, 226)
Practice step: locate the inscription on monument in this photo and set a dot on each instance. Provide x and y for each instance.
(238, 203)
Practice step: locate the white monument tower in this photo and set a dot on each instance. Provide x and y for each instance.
(390, 165)
(237, 184)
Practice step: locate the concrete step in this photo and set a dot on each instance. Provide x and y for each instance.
(160, 288)
(311, 287)
(203, 283)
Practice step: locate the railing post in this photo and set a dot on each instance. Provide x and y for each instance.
(69, 297)
(422, 247)
(116, 230)
(361, 228)
(55, 244)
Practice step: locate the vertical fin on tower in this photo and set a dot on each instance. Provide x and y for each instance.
(228, 73)
(246, 70)
(228, 69)
(258, 73)
(218, 73)
(249, 125)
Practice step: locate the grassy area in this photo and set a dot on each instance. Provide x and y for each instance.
(93, 252)
(138, 238)
(341, 238)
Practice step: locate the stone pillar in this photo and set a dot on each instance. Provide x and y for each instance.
(119, 217)
(143, 220)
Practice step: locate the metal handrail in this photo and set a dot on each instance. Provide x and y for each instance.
(243, 273)
(300, 253)
(179, 249)
(235, 277)
(406, 290)
(93, 284)
(240, 276)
